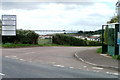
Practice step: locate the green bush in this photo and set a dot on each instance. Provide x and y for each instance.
(62, 39)
(99, 50)
(22, 37)
(93, 43)
(116, 57)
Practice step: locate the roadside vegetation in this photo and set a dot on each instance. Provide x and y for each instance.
(117, 57)
(62, 39)
(99, 50)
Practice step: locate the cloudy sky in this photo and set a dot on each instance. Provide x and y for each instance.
(61, 15)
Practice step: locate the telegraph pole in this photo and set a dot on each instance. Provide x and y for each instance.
(118, 35)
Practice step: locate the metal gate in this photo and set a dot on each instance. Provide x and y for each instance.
(111, 38)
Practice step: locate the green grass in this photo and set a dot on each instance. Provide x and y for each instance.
(117, 57)
(9, 45)
(99, 50)
(44, 41)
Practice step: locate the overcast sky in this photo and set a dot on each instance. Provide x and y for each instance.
(87, 15)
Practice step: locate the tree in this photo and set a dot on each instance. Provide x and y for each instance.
(114, 19)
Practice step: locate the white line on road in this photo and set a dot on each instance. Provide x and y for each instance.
(53, 62)
(29, 53)
(7, 56)
(2, 74)
(84, 66)
(97, 68)
(13, 56)
(71, 67)
(115, 73)
(22, 59)
(59, 65)
(112, 73)
(108, 72)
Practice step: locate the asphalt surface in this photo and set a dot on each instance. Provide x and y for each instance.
(92, 57)
(45, 61)
(19, 69)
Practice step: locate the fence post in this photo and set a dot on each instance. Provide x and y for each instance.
(102, 38)
(116, 37)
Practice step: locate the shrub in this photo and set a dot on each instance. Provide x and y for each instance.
(93, 43)
(68, 40)
(23, 37)
(116, 57)
(99, 50)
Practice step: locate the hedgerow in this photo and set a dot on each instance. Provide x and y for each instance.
(22, 37)
(69, 40)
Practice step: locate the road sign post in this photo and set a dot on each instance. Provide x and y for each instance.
(9, 25)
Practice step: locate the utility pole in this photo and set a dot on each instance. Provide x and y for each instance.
(118, 9)
(118, 14)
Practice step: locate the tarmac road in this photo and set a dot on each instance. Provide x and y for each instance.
(20, 69)
(59, 60)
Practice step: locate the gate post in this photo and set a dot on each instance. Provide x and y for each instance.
(116, 38)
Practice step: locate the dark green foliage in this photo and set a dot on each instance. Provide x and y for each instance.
(111, 38)
(68, 40)
(88, 33)
(10, 45)
(106, 35)
(116, 57)
(23, 37)
(114, 19)
(99, 50)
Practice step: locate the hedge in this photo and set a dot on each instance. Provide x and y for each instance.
(22, 37)
(69, 40)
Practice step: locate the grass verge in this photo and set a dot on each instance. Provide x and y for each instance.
(17, 45)
(117, 57)
(99, 50)
(10, 45)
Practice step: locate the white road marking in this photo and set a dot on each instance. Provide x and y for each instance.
(108, 72)
(84, 66)
(112, 73)
(71, 67)
(22, 59)
(29, 52)
(13, 56)
(2, 74)
(53, 62)
(7, 56)
(97, 68)
(59, 65)
(115, 73)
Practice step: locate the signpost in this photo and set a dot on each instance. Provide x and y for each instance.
(9, 25)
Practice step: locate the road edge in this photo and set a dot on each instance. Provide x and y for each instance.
(102, 66)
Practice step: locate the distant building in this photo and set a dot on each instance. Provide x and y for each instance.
(91, 38)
